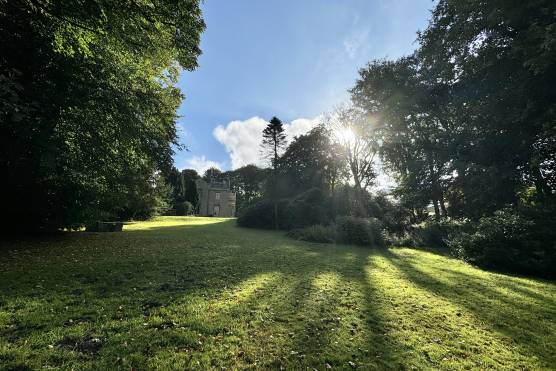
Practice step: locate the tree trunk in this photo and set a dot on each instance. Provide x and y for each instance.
(443, 206)
(436, 210)
(434, 187)
(541, 186)
(359, 198)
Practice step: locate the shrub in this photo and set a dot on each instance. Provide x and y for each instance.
(314, 233)
(404, 239)
(306, 209)
(359, 231)
(394, 218)
(434, 234)
(258, 215)
(184, 208)
(522, 242)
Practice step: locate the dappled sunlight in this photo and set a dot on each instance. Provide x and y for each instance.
(162, 222)
(451, 322)
(460, 274)
(332, 329)
(202, 293)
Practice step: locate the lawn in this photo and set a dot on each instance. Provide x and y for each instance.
(201, 293)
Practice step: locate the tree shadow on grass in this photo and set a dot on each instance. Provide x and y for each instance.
(222, 296)
(501, 304)
(121, 286)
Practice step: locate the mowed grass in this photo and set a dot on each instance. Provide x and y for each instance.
(198, 293)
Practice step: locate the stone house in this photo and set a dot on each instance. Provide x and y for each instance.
(216, 198)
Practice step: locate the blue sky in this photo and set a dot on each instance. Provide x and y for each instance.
(291, 59)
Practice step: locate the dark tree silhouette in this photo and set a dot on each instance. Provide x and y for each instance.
(274, 139)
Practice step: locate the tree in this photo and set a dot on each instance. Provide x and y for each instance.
(312, 160)
(212, 173)
(499, 60)
(414, 134)
(274, 139)
(354, 131)
(183, 187)
(88, 104)
(190, 177)
(248, 184)
(469, 118)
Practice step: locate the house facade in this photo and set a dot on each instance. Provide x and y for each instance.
(216, 198)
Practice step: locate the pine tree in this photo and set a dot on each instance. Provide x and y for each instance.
(274, 139)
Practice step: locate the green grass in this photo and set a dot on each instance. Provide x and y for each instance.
(182, 293)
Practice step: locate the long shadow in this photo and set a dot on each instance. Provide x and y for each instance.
(511, 283)
(152, 272)
(138, 275)
(384, 350)
(499, 311)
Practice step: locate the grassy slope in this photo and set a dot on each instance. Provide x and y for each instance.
(195, 292)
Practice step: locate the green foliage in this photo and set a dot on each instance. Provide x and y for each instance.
(184, 189)
(355, 135)
(314, 233)
(212, 173)
(308, 208)
(455, 131)
(248, 183)
(274, 140)
(359, 231)
(393, 216)
(259, 214)
(434, 234)
(518, 241)
(303, 210)
(311, 160)
(89, 105)
(185, 208)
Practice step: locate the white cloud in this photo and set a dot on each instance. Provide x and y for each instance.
(201, 163)
(242, 139)
(300, 126)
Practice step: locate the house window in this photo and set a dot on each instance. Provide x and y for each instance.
(217, 196)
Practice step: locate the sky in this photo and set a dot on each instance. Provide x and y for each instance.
(294, 59)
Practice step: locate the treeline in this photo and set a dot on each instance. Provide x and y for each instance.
(248, 182)
(466, 126)
(88, 102)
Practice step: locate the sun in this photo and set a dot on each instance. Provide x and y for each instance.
(345, 136)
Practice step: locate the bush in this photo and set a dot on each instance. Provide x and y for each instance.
(184, 208)
(359, 231)
(258, 215)
(404, 239)
(306, 209)
(522, 242)
(314, 233)
(347, 230)
(394, 218)
(433, 234)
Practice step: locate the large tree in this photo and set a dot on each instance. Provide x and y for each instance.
(470, 117)
(88, 103)
(498, 60)
(312, 160)
(354, 130)
(248, 183)
(412, 132)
